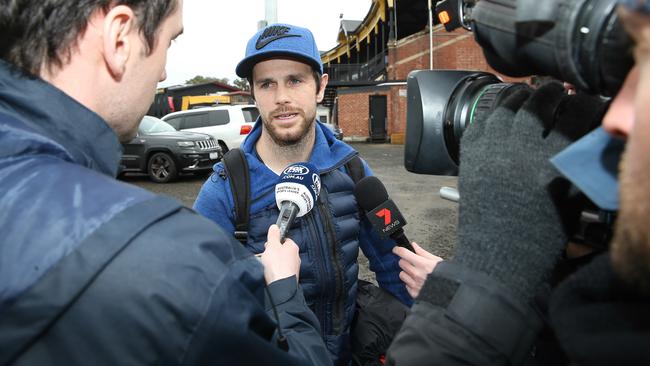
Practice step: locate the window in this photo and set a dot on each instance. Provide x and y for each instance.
(323, 118)
(150, 125)
(250, 114)
(195, 120)
(175, 122)
(219, 117)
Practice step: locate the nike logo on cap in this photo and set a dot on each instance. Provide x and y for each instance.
(272, 34)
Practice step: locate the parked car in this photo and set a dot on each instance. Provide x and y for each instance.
(162, 152)
(228, 124)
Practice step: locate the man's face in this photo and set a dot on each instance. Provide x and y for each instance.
(144, 71)
(629, 117)
(286, 95)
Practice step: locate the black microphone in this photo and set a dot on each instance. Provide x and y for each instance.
(295, 194)
(382, 212)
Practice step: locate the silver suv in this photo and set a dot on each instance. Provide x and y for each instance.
(228, 124)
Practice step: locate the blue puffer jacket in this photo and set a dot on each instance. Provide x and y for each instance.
(329, 236)
(180, 291)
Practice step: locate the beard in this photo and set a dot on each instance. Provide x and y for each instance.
(630, 247)
(289, 137)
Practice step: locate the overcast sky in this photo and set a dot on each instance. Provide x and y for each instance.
(216, 32)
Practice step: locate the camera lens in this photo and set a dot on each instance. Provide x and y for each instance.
(441, 104)
(472, 102)
(578, 41)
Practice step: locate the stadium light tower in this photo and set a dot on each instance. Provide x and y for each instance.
(270, 14)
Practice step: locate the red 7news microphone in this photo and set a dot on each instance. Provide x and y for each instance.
(381, 211)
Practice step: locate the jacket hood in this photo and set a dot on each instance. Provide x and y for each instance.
(59, 125)
(328, 152)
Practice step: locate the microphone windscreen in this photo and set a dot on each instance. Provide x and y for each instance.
(299, 184)
(370, 193)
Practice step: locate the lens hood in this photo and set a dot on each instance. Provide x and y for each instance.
(440, 104)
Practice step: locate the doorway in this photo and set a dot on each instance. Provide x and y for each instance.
(378, 116)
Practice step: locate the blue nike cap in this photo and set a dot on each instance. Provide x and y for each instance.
(642, 6)
(280, 41)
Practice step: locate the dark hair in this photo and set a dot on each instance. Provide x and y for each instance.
(315, 73)
(37, 33)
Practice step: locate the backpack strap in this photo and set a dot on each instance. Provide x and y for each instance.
(37, 309)
(238, 175)
(355, 169)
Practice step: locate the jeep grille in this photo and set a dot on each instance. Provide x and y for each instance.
(210, 144)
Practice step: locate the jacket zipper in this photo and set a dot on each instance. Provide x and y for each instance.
(338, 272)
(320, 304)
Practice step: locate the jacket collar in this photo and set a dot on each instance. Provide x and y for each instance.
(328, 152)
(71, 130)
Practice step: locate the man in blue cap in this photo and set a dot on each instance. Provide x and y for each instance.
(284, 69)
(483, 307)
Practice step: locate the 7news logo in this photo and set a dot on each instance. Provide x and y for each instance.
(386, 218)
(385, 213)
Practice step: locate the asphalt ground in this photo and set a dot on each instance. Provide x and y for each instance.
(431, 220)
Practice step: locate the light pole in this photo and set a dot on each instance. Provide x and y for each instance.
(430, 36)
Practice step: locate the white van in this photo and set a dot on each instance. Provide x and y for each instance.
(228, 124)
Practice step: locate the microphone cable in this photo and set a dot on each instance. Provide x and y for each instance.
(282, 342)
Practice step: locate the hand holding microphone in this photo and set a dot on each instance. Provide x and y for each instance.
(416, 267)
(280, 260)
(295, 194)
(416, 263)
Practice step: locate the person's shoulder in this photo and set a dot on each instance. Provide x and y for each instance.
(184, 254)
(187, 230)
(77, 177)
(366, 167)
(258, 173)
(167, 281)
(215, 192)
(188, 255)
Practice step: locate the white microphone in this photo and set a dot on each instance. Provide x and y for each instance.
(295, 194)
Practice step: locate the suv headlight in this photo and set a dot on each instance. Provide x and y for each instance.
(185, 143)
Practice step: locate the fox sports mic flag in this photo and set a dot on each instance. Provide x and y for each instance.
(299, 184)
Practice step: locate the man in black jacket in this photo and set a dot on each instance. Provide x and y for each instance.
(482, 307)
(98, 272)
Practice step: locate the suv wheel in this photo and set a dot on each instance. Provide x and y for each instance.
(161, 168)
(224, 148)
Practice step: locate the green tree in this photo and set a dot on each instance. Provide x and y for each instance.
(242, 84)
(200, 79)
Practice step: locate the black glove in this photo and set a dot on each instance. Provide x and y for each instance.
(516, 211)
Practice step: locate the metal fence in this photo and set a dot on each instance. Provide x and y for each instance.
(357, 72)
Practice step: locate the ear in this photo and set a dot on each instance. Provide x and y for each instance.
(323, 84)
(119, 23)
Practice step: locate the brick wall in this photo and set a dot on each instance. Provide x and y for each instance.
(353, 115)
(354, 112)
(397, 114)
(456, 50)
(452, 50)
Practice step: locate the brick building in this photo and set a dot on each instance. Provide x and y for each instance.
(369, 66)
